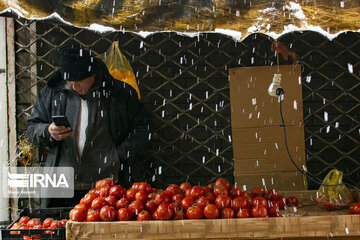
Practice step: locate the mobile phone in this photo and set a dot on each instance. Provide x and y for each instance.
(61, 120)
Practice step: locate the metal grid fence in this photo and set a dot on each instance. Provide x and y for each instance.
(184, 85)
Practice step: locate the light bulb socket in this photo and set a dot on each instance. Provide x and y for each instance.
(280, 91)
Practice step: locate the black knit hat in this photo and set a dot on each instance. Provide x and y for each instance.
(76, 63)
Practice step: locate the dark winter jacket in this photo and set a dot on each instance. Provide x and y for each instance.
(117, 137)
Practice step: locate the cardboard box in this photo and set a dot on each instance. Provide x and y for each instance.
(252, 106)
(285, 180)
(258, 140)
(263, 149)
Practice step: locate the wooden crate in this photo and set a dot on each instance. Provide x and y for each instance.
(305, 222)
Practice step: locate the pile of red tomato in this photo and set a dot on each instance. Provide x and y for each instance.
(35, 223)
(110, 202)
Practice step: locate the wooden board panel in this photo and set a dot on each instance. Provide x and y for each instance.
(301, 227)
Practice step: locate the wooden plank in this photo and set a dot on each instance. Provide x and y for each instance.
(3, 117)
(11, 98)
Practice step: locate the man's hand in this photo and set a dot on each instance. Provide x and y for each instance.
(59, 133)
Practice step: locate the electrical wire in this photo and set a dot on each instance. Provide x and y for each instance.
(280, 92)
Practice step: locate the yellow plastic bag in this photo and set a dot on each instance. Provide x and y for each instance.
(333, 197)
(119, 67)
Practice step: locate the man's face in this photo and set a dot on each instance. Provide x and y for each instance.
(83, 86)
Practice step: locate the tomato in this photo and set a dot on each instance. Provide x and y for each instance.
(162, 198)
(248, 200)
(172, 190)
(109, 182)
(223, 201)
(354, 208)
(136, 207)
(164, 211)
(258, 192)
(292, 201)
(107, 213)
(273, 209)
(244, 194)
(259, 211)
(145, 187)
(187, 202)
(194, 212)
(234, 192)
(54, 225)
(177, 198)
(111, 201)
(37, 236)
(206, 189)
(141, 196)
(101, 183)
(202, 201)
(227, 213)
(211, 196)
(272, 194)
(98, 203)
(122, 203)
(175, 206)
(211, 211)
(328, 204)
(155, 216)
(124, 214)
(143, 216)
(258, 201)
(97, 192)
(77, 215)
(88, 198)
(150, 206)
(130, 194)
(222, 182)
(184, 186)
(104, 191)
(273, 204)
(151, 196)
(33, 222)
(220, 191)
(80, 206)
(282, 202)
(239, 202)
(196, 192)
(104, 182)
(243, 213)
(16, 225)
(117, 191)
(47, 222)
(155, 190)
(63, 222)
(135, 186)
(179, 215)
(24, 220)
(94, 191)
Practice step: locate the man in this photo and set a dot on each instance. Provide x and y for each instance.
(109, 130)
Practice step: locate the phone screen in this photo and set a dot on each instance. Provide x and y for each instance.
(61, 121)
